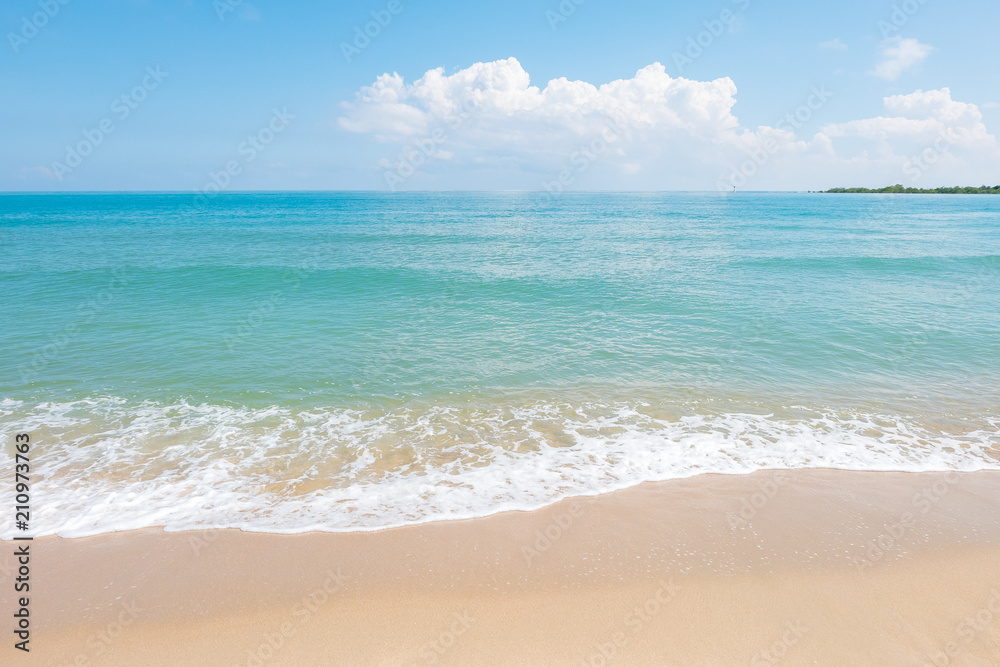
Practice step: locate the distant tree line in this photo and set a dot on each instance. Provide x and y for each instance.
(968, 190)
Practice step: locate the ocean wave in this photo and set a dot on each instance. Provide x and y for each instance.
(106, 464)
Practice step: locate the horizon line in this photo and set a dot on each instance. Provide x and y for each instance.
(452, 191)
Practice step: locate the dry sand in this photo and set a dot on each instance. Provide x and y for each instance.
(815, 567)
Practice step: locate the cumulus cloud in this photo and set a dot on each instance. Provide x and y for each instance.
(491, 113)
(920, 116)
(920, 132)
(898, 55)
(650, 131)
(506, 104)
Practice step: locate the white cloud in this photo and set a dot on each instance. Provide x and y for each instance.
(487, 126)
(898, 55)
(506, 105)
(834, 45)
(920, 116)
(924, 132)
(493, 116)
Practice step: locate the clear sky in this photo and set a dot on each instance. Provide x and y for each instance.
(644, 95)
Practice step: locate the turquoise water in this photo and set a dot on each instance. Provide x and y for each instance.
(348, 361)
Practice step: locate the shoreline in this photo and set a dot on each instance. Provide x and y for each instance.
(819, 565)
(164, 530)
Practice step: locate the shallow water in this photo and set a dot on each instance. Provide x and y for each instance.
(348, 361)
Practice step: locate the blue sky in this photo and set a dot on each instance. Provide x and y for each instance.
(236, 95)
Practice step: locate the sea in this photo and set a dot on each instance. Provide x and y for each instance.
(348, 361)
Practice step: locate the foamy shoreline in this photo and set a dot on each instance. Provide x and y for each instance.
(815, 565)
(110, 465)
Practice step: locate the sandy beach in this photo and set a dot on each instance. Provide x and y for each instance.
(564, 333)
(778, 567)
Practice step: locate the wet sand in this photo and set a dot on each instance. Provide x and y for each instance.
(809, 567)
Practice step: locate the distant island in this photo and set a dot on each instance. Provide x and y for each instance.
(968, 190)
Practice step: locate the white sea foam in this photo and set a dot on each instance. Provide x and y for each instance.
(104, 464)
